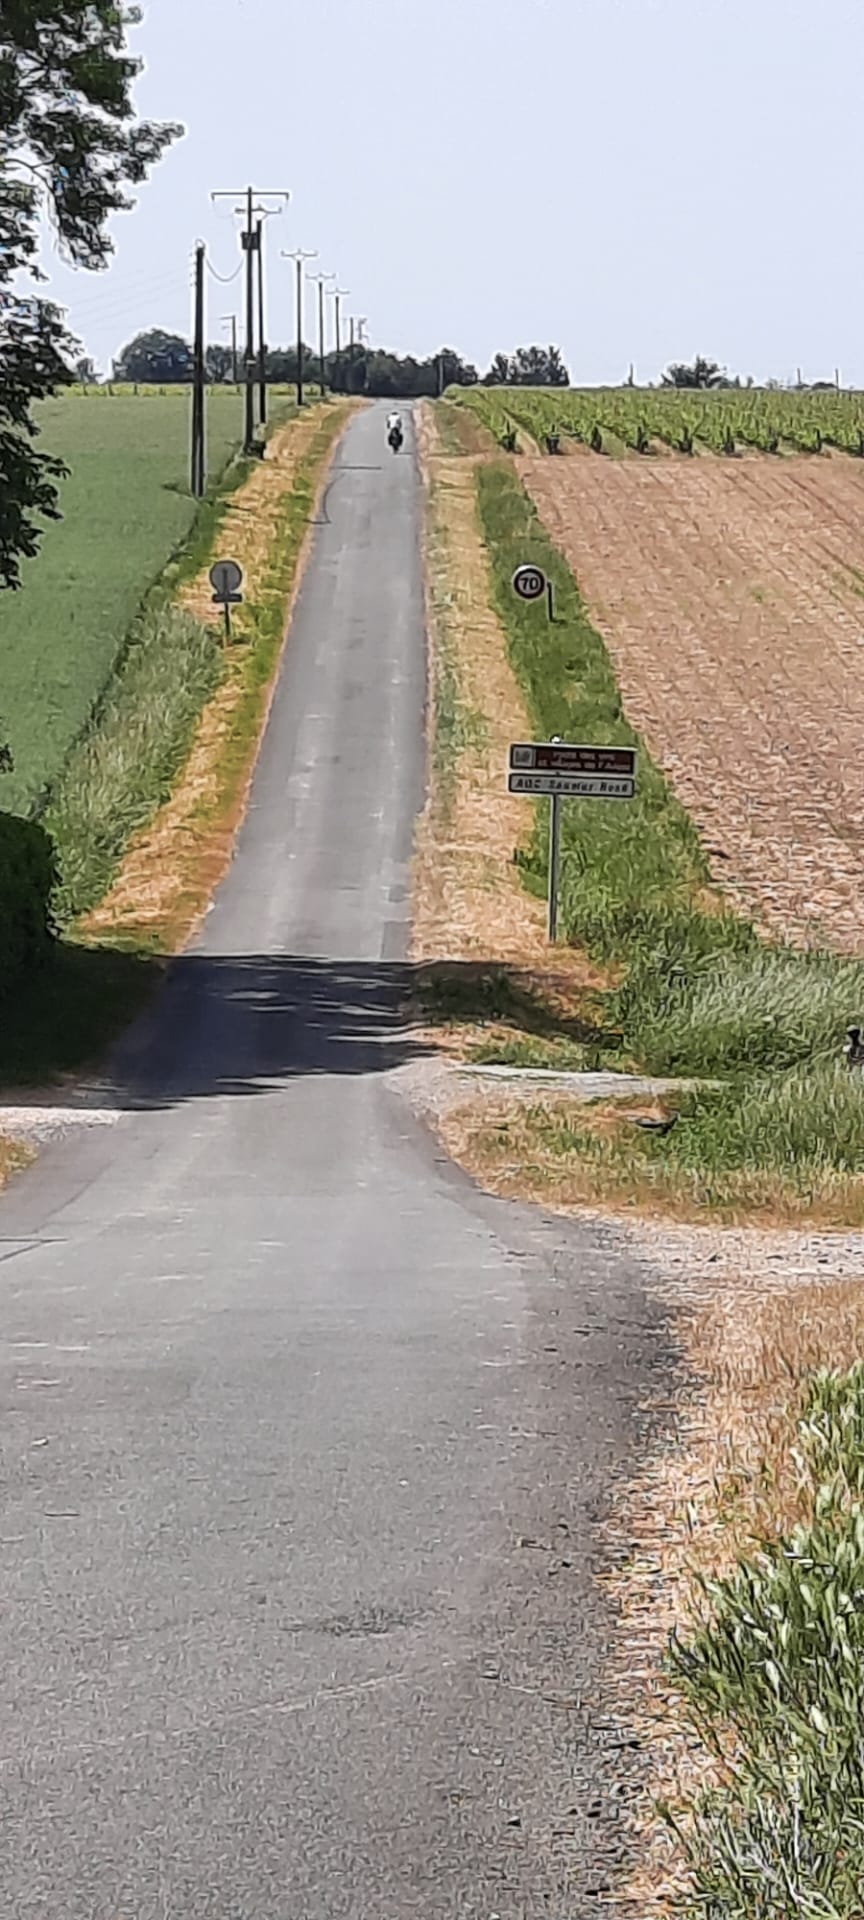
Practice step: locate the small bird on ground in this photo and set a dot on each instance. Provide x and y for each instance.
(854, 1048)
(655, 1123)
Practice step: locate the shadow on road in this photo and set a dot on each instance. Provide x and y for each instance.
(237, 1025)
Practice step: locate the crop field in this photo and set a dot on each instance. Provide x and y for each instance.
(126, 508)
(731, 597)
(644, 421)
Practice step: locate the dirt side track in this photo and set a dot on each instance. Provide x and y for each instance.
(731, 595)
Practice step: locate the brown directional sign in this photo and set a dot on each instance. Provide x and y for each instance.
(556, 756)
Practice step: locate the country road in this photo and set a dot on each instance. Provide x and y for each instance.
(305, 1441)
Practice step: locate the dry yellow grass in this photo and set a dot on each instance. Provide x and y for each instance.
(470, 909)
(171, 868)
(468, 901)
(515, 1150)
(15, 1155)
(727, 1479)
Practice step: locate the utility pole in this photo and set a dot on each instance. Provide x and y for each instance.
(298, 256)
(198, 460)
(250, 241)
(319, 279)
(230, 320)
(339, 294)
(262, 350)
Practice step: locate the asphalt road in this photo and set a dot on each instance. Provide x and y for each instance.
(286, 1402)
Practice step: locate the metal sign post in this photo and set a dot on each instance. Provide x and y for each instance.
(554, 851)
(562, 771)
(226, 579)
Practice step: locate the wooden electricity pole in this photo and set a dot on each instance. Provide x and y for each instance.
(199, 476)
(250, 241)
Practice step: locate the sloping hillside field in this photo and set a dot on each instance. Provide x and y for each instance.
(126, 506)
(731, 595)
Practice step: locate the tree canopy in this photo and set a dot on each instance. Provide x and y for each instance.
(528, 367)
(701, 373)
(160, 358)
(376, 371)
(165, 359)
(71, 146)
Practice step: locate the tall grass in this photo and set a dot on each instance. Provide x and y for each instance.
(123, 768)
(773, 1682)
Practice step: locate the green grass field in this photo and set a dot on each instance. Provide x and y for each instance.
(126, 507)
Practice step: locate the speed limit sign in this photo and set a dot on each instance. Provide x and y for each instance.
(529, 582)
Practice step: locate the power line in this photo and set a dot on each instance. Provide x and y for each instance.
(225, 279)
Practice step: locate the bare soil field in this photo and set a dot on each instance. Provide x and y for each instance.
(731, 596)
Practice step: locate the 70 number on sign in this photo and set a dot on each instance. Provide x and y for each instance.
(530, 583)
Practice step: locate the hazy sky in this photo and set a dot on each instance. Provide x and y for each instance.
(632, 179)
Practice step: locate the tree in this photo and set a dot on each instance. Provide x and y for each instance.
(528, 367)
(282, 365)
(538, 367)
(71, 147)
(85, 371)
(218, 364)
(499, 372)
(702, 373)
(31, 366)
(155, 358)
(455, 372)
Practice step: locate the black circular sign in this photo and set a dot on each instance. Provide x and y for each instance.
(529, 582)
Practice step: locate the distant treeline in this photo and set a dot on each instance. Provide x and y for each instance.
(156, 358)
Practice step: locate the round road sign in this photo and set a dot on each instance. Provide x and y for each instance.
(226, 579)
(529, 582)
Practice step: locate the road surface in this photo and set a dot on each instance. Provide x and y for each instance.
(285, 1398)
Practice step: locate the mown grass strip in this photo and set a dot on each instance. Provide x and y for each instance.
(698, 993)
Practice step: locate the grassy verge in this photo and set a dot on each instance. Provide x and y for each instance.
(772, 1682)
(126, 763)
(171, 867)
(145, 813)
(695, 991)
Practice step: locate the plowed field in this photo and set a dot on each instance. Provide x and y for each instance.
(731, 595)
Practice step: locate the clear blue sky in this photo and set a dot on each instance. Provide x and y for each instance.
(632, 179)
